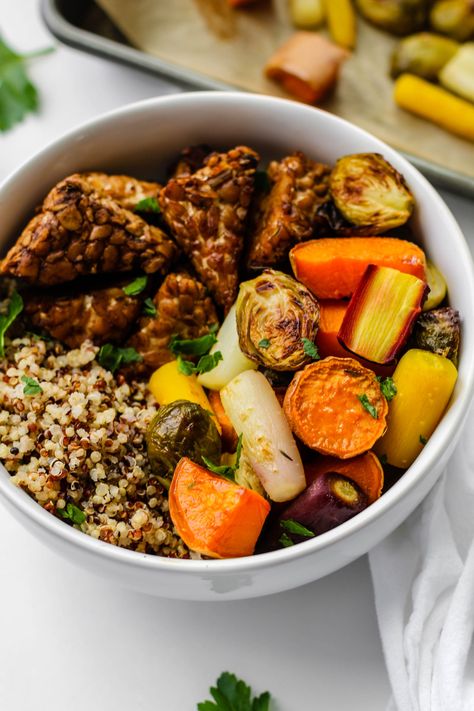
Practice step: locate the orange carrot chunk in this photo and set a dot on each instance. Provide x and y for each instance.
(365, 470)
(307, 65)
(332, 267)
(215, 516)
(229, 435)
(336, 407)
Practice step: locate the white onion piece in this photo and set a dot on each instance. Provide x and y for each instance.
(253, 408)
(233, 360)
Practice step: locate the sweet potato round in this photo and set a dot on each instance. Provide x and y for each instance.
(324, 408)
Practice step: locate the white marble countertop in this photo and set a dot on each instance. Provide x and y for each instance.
(70, 641)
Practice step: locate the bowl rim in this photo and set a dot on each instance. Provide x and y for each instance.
(451, 422)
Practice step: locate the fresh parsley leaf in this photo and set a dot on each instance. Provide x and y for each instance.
(423, 440)
(294, 527)
(204, 364)
(32, 387)
(310, 349)
(15, 307)
(18, 95)
(232, 694)
(73, 513)
(264, 343)
(388, 387)
(149, 204)
(112, 357)
(149, 308)
(285, 540)
(367, 405)
(136, 286)
(193, 346)
(226, 470)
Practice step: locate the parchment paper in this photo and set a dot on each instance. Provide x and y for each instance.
(232, 46)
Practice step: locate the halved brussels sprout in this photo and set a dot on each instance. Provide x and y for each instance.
(277, 321)
(439, 331)
(369, 193)
(423, 54)
(181, 429)
(454, 18)
(400, 17)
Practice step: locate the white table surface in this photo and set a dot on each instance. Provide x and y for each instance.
(71, 641)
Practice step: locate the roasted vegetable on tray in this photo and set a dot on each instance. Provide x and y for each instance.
(271, 401)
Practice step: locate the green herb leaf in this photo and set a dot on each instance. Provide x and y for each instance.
(18, 95)
(423, 440)
(149, 308)
(136, 286)
(226, 470)
(73, 513)
(232, 694)
(264, 343)
(310, 349)
(112, 357)
(32, 387)
(193, 346)
(149, 204)
(294, 527)
(15, 307)
(285, 540)
(388, 387)
(204, 364)
(367, 405)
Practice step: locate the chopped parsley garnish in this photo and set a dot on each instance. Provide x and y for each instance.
(32, 387)
(388, 387)
(204, 364)
(15, 307)
(136, 286)
(298, 529)
(285, 540)
(149, 308)
(112, 357)
(73, 513)
(264, 343)
(367, 405)
(149, 204)
(232, 694)
(226, 470)
(310, 349)
(423, 440)
(194, 346)
(18, 95)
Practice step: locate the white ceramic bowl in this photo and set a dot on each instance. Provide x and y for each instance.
(143, 138)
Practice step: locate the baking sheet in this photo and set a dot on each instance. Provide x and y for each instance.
(205, 44)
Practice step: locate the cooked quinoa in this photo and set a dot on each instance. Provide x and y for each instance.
(81, 441)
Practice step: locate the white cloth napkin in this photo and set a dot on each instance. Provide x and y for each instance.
(423, 576)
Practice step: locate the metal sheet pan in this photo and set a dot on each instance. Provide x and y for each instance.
(84, 26)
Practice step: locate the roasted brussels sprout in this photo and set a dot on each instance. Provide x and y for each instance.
(439, 331)
(423, 54)
(369, 193)
(181, 429)
(277, 321)
(400, 17)
(454, 18)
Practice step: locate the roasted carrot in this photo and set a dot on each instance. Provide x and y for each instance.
(341, 18)
(365, 470)
(229, 435)
(336, 407)
(215, 516)
(332, 267)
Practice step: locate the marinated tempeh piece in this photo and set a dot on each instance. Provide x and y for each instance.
(206, 212)
(183, 308)
(80, 232)
(101, 315)
(190, 160)
(287, 213)
(125, 190)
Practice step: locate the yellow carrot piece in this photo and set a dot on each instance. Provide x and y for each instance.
(168, 384)
(341, 18)
(424, 382)
(435, 104)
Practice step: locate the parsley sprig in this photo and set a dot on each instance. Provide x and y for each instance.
(232, 694)
(149, 308)
(388, 387)
(136, 286)
(15, 307)
(367, 405)
(112, 357)
(310, 349)
(73, 514)
(32, 387)
(148, 204)
(197, 347)
(290, 526)
(226, 470)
